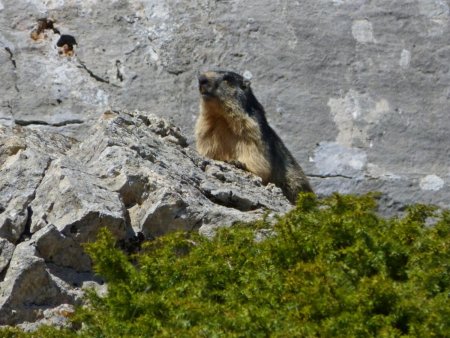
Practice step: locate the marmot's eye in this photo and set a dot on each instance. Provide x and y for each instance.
(228, 78)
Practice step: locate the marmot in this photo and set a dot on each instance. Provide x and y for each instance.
(232, 127)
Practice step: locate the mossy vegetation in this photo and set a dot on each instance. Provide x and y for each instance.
(329, 268)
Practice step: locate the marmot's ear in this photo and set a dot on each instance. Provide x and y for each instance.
(247, 77)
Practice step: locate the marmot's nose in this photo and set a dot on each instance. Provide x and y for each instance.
(202, 80)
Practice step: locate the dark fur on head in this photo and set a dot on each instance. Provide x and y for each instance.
(230, 85)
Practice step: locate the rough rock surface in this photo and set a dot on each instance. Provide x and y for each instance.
(359, 90)
(132, 173)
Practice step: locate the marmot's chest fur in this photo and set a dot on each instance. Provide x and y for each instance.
(227, 137)
(232, 127)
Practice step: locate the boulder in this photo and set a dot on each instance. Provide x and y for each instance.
(134, 174)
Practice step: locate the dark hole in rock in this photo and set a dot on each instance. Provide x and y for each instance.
(45, 23)
(65, 44)
(66, 39)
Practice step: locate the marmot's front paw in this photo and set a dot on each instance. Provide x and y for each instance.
(237, 164)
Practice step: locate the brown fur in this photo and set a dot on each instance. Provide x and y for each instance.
(225, 131)
(228, 137)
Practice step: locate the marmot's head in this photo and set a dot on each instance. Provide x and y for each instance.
(223, 86)
(228, 92)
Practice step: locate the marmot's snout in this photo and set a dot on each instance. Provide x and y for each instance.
(207, 85)
(203, 80)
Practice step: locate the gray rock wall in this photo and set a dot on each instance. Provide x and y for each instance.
(359, 90)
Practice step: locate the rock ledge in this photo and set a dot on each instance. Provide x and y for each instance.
(133, 173)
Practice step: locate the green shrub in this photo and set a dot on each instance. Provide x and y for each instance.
(331, 268)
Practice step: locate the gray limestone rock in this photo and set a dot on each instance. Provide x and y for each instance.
(25, 156)
(6, 252)
(132, 173)
(73, 201)
(58, 316)
(161, 182)
(28, 287)
(56, 248)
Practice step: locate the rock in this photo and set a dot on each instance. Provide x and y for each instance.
(25, 155)
(334, 160)
(60, 250)
(58, 317)
(6, 252)
(28, 287)
(134, 174)
(72, 200)
(158, 180)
